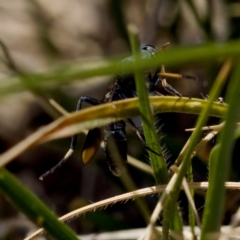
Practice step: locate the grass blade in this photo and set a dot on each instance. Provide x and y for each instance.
(68, 73)
(157, 162)
(216, 89)
(101, 115)
(220, 163)
(33, 208)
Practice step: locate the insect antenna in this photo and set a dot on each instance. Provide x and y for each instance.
(194, 78)
(67, 155)
(164, 46)
(177, 76)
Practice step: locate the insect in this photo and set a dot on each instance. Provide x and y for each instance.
(122, 87)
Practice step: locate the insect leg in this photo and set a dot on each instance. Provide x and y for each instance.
(73, 144)
(115, 140)
(140, 135)
(131, 124)
(167, 86)
(89, 100)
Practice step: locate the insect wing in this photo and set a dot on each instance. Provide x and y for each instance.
(92, 144)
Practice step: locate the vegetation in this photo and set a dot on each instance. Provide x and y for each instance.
(169, 182)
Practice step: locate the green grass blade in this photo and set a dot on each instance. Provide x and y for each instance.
(33, 208)
(205, 53)
(158, 164)
(216, 89)
(68, 73)
(220, 162)
(104, 114)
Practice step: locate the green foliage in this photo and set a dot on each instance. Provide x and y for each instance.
(32, 207)
(101, 115)
(220, 162)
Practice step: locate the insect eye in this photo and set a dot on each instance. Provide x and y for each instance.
(149, 48)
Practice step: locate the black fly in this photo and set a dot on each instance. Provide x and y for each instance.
(122, 87)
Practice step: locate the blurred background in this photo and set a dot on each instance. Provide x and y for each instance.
(42, 36)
